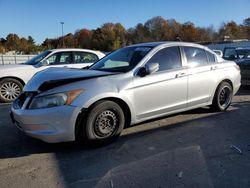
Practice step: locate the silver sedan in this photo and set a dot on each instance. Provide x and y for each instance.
(131, 85)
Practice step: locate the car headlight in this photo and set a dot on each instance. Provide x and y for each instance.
(58, 99)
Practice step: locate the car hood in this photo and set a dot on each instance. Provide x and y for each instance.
(15, 67)
(54, 77)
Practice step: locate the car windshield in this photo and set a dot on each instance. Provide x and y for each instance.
(122, 60)
(232, 53)
(38, 58)
(243, 53)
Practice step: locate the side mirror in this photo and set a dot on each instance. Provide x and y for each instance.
(44, 63)
(152, 67)
(148, 69)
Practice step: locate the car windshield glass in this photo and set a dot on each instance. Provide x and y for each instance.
(230, 53)
(243, 53)
(122, 60)
(38, 58)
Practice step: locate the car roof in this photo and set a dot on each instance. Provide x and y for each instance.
(175, 43)
(155, 44)
(149, 44)
(73, 49)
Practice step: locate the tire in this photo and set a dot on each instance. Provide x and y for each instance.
(103, 124)
(223, 97)
(10, 89)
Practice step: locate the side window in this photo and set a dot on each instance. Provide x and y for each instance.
(60, 58)
(195, 56)
(64, 58)
(210, 57)
(52, 59)
(85, 57)
(167, 58)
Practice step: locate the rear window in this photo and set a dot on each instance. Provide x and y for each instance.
(85, 57)
(195, 56)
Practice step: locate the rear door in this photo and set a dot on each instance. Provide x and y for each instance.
(83, 59)
(202, 77)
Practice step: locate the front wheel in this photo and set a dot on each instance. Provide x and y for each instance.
(10, 89)
(223, 97)
(104, 122)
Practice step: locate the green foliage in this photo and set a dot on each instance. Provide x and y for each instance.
(111, 36)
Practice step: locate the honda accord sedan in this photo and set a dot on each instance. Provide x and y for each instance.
(128, 86)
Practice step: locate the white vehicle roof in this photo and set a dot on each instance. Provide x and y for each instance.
(98, 53)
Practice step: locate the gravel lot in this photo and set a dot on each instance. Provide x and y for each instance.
(191, 149)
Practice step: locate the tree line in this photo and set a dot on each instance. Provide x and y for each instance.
(111, 36)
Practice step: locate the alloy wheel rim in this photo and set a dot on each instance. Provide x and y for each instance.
(105, 124)
(10, 91)
(224, 97)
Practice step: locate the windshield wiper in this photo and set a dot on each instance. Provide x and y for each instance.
(87, 67)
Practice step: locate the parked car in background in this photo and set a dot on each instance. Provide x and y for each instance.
(14, 77)
(242, 58)
(128, 86)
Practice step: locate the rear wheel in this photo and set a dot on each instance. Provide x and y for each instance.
(103, 123)
(223, 97)
(10, 89)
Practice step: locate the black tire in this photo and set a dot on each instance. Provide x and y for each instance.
(222, 97)
(104, 123)
(10, 89)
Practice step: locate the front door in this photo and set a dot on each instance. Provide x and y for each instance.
(59, 59)
(163, 91)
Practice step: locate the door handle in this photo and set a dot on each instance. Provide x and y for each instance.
(180, 75)
(214, 67)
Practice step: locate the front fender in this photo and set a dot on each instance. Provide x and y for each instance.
(85, 101)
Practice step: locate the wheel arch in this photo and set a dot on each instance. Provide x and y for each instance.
(218, 85)
(123, 105)
(13, 77)
(228, 81)
(224, 80)
(84, 112)
(214, 104)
